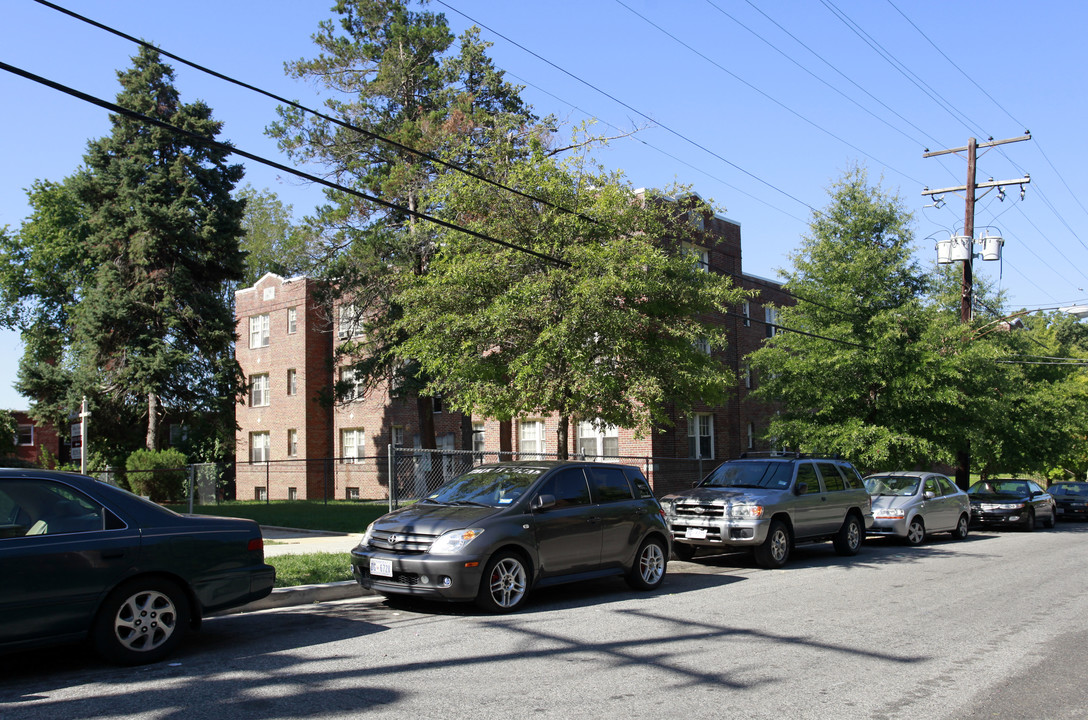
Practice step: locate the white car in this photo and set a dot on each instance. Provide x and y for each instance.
(911, 505)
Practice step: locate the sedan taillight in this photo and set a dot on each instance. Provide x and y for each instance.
(256, 544)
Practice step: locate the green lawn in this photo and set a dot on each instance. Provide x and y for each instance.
(334, 516)
(310, 568)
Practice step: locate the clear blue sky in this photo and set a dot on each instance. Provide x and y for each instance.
(724, 91)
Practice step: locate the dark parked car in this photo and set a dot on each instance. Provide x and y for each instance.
(1071, 499)
(82, 559)
(1019, 503)
(496, 532)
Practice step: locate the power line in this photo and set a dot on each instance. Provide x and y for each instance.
(316, 113)
(226, 147)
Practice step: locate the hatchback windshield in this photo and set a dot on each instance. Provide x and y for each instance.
(892, 485)
(775, 475)
(490, 486)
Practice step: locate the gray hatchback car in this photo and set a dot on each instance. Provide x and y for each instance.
(770, 503)
(500, 530)
(911, 505)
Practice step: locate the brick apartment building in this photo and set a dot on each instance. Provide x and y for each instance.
(292, 443)
(31, 439)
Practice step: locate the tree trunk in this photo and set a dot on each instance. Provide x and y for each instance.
(467, 436)
(425, 408)
(562, 436)
(152, 422)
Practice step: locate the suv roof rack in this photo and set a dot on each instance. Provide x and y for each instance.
(787, 454)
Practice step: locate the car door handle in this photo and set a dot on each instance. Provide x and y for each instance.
(113, 554)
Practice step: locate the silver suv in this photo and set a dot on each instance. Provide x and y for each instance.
(769, 503)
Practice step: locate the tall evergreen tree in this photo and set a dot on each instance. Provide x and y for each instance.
(163, 239)
(390, 70)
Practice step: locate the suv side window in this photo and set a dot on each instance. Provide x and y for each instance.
(568, 486)
(852, 477)
(833, 480)
(806, 473)
(608, 484)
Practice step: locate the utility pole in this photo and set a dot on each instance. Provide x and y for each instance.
(963, 456)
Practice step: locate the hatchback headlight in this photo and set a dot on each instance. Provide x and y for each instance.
(455, 541)
(746, 512)
(888, 513)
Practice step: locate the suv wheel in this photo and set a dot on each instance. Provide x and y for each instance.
(916, 531)
(848, 539)
(648, 570)
(505, 583)
(775, 550)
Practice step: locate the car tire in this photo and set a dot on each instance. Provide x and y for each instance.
(1053, 520)
(683, 551)
(773, 552)
(141, 621)
(848, 538)
(963, 527)
(1029, 523)
(916, 531)
(505, 583)
(648, 570)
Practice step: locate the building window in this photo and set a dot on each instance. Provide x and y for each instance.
(353, 493)
(292, 382)
(348, 322)
(594, 443)
(531, 437)
(292, 442)
(397, 436)
(747, 376)
(702, 344)
(292, 493)
(260, 447)
(25, 435)
(258, 331)
(701, 436)
(292, 320)
(269, 293)
(260, 493)
(746, 311)
(478, 437)
(351, 385)
(770, 314)
(258, 390)
(351, 445)
(437, 404)
(751, 436)
(179, 433)
(698, 254)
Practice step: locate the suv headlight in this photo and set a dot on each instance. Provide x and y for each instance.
(454, 541)
(666, 507)
(745, 512)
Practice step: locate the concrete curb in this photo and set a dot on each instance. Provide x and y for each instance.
(302, 595)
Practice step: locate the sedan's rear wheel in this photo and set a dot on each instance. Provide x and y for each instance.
(648, 570)
(916, 531)
(775, 550)
(505, 583)
(962, 528)
(141, 621)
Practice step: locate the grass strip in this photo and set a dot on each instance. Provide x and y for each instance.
(310, 568)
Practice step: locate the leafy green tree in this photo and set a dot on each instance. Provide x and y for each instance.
(390, 71)
(609, 333)
(8, 429)
(272, 243)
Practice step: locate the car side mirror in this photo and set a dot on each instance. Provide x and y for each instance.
(929, 494)
(801, 489)
(1036, 493)
(543, 502)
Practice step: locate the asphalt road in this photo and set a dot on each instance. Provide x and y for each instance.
(990, 627)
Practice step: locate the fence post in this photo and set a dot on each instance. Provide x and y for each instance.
(267, 484)
(392, 476)
(192, 472)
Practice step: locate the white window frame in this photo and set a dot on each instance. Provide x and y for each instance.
(531, 437)
(598, 444)
(292, 493)
(259, 390)
(479, 436)
(259, 331)
(347, 375)
(292, 381)
(702, 344)
(701, 436)
(260, 447)
(351, 445)
(19, 436)
(770, 315)
(747, 376)
(348, 325)
(292, 320)
(396, 436)
(699, 254)
(292, 442)
(746, 311)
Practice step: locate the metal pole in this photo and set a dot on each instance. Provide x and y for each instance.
(392, 476)
(192, 473)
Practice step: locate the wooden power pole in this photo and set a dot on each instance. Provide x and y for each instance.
(963, 456)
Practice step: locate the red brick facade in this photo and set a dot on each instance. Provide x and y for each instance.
(330, 437)
(31, 438)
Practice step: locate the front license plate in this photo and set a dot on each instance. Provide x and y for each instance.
(1061, 511)
(694, 533)
(383, 568)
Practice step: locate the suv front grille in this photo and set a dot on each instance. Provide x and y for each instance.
(404, 543)
(699, 509)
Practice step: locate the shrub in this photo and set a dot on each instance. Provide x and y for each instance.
(160, 475)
